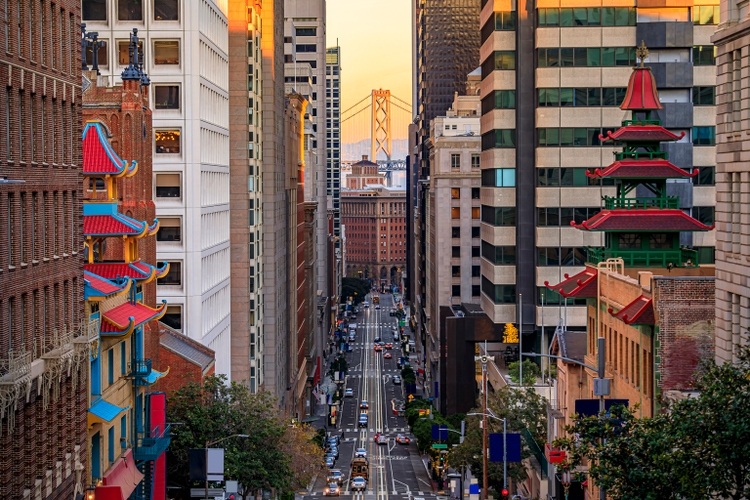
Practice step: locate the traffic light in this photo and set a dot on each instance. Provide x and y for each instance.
(504, 494)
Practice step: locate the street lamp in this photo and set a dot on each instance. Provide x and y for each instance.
(491, 414)
(217, 441)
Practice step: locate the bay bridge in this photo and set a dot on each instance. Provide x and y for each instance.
(377, 125)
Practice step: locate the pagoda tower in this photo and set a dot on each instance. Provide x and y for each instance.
(644, 231)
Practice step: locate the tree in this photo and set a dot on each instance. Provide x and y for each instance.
(697, 448)
(213, 410)
(530, 372)
(524, 409)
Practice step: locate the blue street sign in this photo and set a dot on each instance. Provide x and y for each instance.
(514, 447)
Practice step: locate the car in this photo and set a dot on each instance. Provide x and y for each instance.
(330, 462)
(358, 484)
(387, 355)
(362, 420)
(380, 438)
(349, 393)
(332, 490)
(389, 345)
(335, 476)
(364, 405)
(402, 439)
(360, 452)
(397, 380)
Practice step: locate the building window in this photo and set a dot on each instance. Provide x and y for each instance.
(475, 161)
(704, 96)
(456, 291)
(705, 215)
(166, 10)
(167, 185)
(455, 160)
(592, 16)
(167, 141)
(166, 52)
(499, 294)
(455, 212)
(475, 232)
(704, 136)
(94, 10)
(173, 276)
(455, 232)
(169, 229)
(173, 317)
(455, 252)
(456, 271)
(499, 255)
(706, 14)
(499, 216)
(500, 138)
(499, 177)
(130, 10)
(166, 96)
(123, 52)
(704, 55)
(455, 193)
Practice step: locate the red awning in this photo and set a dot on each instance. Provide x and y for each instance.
(120, 480)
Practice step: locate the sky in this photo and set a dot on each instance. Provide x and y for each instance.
(375, 41)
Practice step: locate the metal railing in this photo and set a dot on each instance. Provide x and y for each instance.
(667, 202)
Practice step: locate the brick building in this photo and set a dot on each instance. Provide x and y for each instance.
(43, 348)
(374, 217)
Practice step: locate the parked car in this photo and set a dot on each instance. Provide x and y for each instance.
(332, 490)
(359, 484)
(349, 392)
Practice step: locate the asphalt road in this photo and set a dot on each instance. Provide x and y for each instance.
(396, 471)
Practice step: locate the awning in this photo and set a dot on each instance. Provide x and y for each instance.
(102, 411)
(120, 480)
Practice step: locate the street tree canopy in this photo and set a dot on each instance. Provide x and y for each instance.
(698, 448)
(214, 410)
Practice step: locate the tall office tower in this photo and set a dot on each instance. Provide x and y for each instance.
(333, 135)
(453, 212)
(185, 54)
(43, 344)
(446, 35)
(245, 202)
(275, 370)
(733, 177)
(552, 83)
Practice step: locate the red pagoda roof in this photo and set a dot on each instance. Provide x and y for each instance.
(582, 285)
(137, 270)
(641, 94)
(642, 133)
(642, 169)
(97, 287)
(98, 156)
(127, 316)
(638, 312)
(642, 220)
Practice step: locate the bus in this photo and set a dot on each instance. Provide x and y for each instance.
(375, 298)
(360, 468)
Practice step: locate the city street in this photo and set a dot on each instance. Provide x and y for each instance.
(396, 470)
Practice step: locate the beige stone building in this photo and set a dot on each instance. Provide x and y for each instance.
(732, 177)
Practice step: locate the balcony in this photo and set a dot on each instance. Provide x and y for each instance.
(151, 447)
(646, 258)
(612, 203)
(140, 371)
(641, 155)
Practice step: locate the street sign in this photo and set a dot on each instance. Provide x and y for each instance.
(439, 446)
(514, 447)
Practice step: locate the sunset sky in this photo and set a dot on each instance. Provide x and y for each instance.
(375, 41)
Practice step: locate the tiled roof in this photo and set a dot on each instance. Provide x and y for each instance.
(642, 169)
(98, 155)
(96, 286)
(581, 285)
(642, 220)
(638, 312)
(138, 270)
(185, 347)
(641, 133)
(120, 318)
(115, 224)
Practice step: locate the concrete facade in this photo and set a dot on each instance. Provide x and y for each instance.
(186, 57)
(732, 41)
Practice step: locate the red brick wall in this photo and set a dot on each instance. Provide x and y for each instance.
(685, 311)
(41, 280)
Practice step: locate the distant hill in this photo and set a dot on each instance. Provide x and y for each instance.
(354, 151)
